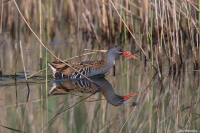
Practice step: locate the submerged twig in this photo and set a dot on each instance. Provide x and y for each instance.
(15, 72)
(16, 75)
(24, 66)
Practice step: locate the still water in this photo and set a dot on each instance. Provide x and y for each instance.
(166, 104)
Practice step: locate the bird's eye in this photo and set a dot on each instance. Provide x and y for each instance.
(119, 51)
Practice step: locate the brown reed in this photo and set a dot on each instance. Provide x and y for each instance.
(165, 23)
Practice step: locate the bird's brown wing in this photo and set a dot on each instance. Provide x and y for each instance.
(66, 70)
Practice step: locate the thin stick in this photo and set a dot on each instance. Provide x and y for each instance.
(1, 18)
(16, 76)
(132, 35)
(36, 73)
(15, 72)
(41, 43)
(0, 60)
(96, 50)
(40, 12)
(24, 67)
(1, 33)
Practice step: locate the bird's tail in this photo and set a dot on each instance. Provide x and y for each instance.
(53, 69)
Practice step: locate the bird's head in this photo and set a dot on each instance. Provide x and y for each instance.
(118, 51)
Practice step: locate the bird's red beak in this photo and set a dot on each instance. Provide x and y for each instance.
(128, 54)
(129, 96)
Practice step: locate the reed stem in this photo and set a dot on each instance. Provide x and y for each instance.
(24, 67)
(40, 12)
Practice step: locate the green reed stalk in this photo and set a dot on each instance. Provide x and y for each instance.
(124, 18)
(40, 62)
(46, 72)
(153, 113)
(50, 8)
(49, 22)
(15, 72)
(125, 37)
(40, 12)
(24, 67)
(46, 86)
(113, 25)
(1, 33)
(199, 18)
(1, 17)
(151, 38)
(0, 60)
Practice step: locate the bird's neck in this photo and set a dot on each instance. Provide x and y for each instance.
(104, 65)
(108, 60)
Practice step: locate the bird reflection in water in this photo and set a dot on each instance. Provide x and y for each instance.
(67, 86)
